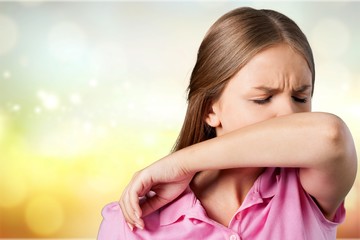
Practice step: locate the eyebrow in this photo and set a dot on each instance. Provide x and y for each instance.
(272, 90)
(303, 88)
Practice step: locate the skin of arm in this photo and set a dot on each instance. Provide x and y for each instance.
(319, 144)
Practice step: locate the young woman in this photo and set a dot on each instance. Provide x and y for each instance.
(251, 161)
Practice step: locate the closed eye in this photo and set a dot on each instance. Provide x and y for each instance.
(300, 100)
(262, 101)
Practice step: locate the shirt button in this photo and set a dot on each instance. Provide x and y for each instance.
(195, 221)
(234, 237)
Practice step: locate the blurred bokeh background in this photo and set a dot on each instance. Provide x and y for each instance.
(92, 91)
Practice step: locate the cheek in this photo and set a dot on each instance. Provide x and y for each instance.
(255, 114)
(244, 116)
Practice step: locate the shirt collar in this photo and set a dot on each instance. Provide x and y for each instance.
(185, 205)
(188, 205)
(267, 182)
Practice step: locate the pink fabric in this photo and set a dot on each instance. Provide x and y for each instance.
(276, 207)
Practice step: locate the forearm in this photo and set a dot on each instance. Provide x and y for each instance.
(304, 140)
(317, 143)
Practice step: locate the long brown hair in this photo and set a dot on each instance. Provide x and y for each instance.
(228, 45)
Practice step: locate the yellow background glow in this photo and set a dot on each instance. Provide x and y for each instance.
(91, 92)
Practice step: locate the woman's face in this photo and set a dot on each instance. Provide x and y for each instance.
(275, 82)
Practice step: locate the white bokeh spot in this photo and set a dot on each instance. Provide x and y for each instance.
(49, 100)
(7, 74)
(37, 110)
(16, 107)
(93, 83)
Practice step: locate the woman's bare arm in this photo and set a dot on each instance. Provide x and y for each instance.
(319, 144)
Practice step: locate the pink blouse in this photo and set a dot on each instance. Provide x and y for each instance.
(276, 207)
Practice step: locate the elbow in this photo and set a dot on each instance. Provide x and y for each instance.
(335, 132)
(339, 141)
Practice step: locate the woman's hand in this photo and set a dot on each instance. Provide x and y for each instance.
(156, 185)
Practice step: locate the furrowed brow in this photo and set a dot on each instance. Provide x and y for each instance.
(266, 89)
(302, 89)
(271, 90)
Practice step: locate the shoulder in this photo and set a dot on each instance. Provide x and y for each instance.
(113, 225)
(158, 224)
(289, 179)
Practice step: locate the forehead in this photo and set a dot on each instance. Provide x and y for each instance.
(277, 67)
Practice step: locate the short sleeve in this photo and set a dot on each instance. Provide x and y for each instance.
(339, 215)
(113, 225)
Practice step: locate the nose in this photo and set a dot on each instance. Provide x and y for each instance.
(286, 107)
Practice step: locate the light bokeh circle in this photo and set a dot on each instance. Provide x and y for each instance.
(8, 34)
(44, 215)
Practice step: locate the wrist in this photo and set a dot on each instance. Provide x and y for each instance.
(184, 161)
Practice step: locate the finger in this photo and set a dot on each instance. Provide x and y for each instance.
(135, 208)
(125, 214)
(127, 206)
(131, 226)
(128, 209)
(152, 204)
(124, 208)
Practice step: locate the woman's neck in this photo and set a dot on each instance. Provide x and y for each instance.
(221, 192)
